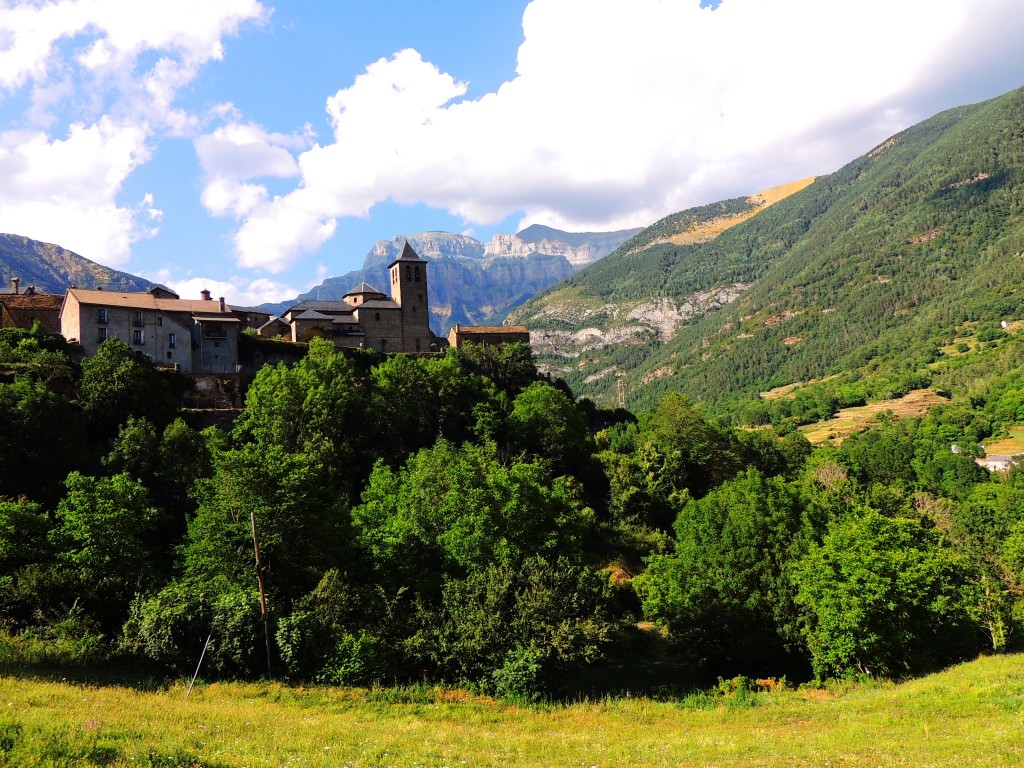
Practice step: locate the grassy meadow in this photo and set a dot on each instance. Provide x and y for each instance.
(969, 715)
(850, 421)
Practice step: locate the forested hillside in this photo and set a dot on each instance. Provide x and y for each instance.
(456, 519)
(870, 269)
(52, 269)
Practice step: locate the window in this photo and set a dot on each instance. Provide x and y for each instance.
(101, 315)
(160, 322)
(408, 272)
(138, 337)
(169, 354)
(417, 345)
(137, 319)
(171, 341)
(101, 334)
(417, 273)
(376, 316)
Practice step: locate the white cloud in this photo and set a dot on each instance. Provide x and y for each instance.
(236, 290)
(101, 78)
(240, 151)
(623, 112)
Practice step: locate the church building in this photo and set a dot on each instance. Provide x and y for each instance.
(366, 317)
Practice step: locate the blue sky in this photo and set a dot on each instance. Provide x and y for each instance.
(256, 149)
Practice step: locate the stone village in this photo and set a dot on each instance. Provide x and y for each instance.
(202, 336)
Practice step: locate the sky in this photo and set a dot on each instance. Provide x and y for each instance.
(254, 148)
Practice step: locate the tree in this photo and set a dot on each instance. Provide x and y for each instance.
(301, 523)
(685, 451)
(881, 596)
(317, 407)
(451, 510)
(519, 630)
(134, 450)
(118, 382)
(725, 589)
(545, 422)
(509, 366)
(42, 438)
(101, 535)
(184, 457)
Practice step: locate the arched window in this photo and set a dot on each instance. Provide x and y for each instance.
(417, 273)
(408, 272)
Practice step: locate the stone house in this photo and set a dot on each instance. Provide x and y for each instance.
(488, 335)
(195, 336)
(367, 317)
(994, 462)
(21, 310)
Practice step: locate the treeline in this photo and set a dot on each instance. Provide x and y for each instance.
(457, 519)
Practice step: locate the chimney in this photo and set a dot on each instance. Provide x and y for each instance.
(222, 307)
(15, 281)
(205, 294)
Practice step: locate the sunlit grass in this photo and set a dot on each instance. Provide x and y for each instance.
(850, 421)
(966, 716)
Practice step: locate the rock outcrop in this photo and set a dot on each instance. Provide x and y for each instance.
(475, 283)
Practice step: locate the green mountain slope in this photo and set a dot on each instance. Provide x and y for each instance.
(52, 269)
(873, 268)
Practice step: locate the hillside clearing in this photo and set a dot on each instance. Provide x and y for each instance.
(968, 715)
(1007, 446)
(701, 232)
(850, 421)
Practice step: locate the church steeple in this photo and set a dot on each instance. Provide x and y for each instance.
(409, 290)
(409, 279)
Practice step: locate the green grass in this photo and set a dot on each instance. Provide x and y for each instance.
(970, 715)
(1010, 445)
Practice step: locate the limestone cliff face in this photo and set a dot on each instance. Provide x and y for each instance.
(579, 248)
(472, 282)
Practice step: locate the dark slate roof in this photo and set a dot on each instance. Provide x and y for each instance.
(274, 321)
(408, 254)
(312, 314)
(320, 306)
(379, 304)
(364, 288)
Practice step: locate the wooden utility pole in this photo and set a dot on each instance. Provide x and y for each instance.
(263, 596)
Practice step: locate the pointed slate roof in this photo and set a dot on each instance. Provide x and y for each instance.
(364, 288)
(408, 254)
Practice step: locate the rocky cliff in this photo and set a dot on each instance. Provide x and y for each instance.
(472, 282)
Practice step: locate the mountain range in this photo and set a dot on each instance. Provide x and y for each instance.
(871, 273)
(874, 267)
(472, 282)
(51, 269)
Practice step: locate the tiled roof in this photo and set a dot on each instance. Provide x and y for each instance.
(145, 301)
(471, 329)
(218, 318)
(31, 300)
